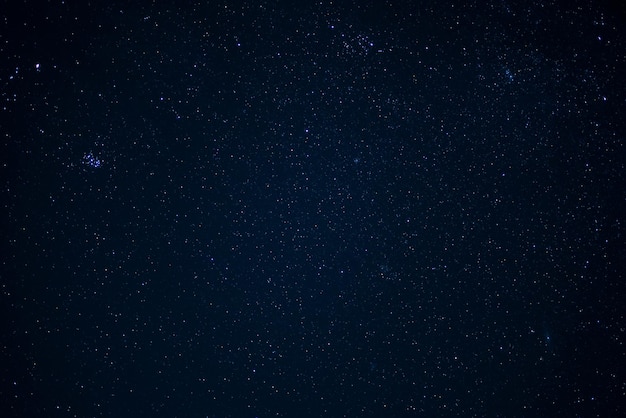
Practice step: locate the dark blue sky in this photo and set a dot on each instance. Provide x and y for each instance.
(254, 209)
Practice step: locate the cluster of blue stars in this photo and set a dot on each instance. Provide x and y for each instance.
(91, 160)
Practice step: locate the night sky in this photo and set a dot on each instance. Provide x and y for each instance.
(314, 209)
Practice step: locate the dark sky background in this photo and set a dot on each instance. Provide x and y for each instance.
(278, 209)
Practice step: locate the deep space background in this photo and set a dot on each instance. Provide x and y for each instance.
(316, 208)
